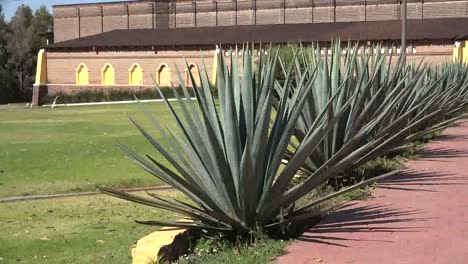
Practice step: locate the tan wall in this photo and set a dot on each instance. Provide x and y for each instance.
(141, 15)
(431, 54)
(206, 19)
(298, 15)
(73, 21)
(65, 24)
(349, 13)
(90, 21)
(430, 59)
(61, 66)
(61, 74)
(382, 12)
(114, 17)
(322, 15)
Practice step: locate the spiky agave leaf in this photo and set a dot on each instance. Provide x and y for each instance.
(356, 80)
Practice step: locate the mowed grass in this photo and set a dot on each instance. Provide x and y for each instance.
(70, 149)
(100, 229)
(92, 229)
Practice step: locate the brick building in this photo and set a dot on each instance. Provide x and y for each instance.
(132, 44)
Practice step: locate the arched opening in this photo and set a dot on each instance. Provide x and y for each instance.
(164, 75)
(135, 75)
(195, 74)
(82, 75)
(108, 75)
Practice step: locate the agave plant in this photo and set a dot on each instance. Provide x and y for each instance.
(393, 104)
(227, 159)
(433, 101)
(373, 87)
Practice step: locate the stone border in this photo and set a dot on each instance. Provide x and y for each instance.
(166, 244)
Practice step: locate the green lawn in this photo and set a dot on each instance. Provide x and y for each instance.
(47, 151)
(92, 229)
(69, 149)
(99, 229)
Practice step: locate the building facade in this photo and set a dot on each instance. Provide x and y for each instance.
(133, 44)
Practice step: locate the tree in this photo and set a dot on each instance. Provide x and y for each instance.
(8, 83)
(41, 23)
(24, 43)
(20, 46)
(4, 32)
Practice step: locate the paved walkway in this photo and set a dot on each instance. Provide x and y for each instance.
(417, 218)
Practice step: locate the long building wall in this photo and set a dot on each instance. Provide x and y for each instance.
(75, 72)
(75, 21)
(62, 67)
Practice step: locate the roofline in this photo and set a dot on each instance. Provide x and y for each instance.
(153, 48)
(376, 31)
(103, 3)
(209, 47)
(338, 3)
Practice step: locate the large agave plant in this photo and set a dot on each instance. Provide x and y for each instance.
(228, 159)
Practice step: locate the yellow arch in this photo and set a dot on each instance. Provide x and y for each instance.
(107, 75)
(193, 68)
(164, 75)
(82, 74)
(135, 75)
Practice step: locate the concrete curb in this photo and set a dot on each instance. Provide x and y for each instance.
(65, 195)
(115, 102)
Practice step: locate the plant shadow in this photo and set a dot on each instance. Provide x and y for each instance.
(352, 218)
(449, 137)
(412, 180)
(437, 153)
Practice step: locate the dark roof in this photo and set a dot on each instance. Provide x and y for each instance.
(427, 29)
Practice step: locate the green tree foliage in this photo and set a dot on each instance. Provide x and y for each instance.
(8, 86)
(4, 32)
(41, 23)
(22, 58)
(8, 90)
(19, 43)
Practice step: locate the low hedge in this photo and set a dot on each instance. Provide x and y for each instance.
(114, 95)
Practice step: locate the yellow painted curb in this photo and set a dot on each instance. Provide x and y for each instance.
(167, 243)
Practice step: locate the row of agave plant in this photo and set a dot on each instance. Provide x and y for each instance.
(391, 106)
(235, 156)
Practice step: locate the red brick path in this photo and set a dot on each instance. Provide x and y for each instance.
(417, 218)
